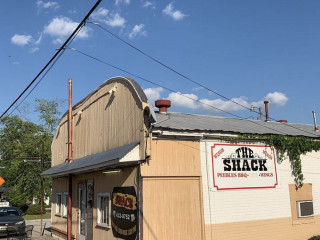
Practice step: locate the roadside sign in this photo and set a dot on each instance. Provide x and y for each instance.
(1, 181)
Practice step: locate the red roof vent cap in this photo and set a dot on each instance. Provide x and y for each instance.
(163, 105)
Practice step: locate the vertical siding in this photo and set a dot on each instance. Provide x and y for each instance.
(171, 209)
(107, 121)
(172, 204)
(173, 158)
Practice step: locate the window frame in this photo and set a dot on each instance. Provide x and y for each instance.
(299, 209)
(58, 205)
(99, 210)
(65, 204)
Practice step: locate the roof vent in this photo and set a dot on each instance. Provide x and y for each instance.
(266, 104)
(163, 105)
(283, 121)
(315, 121)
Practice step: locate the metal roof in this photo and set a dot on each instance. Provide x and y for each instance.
(94, 162)
(212, 124)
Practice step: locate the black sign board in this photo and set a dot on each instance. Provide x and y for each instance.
(124, 213)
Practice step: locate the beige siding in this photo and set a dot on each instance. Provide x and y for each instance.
(60, 185)
(172, 204)
(173, 158)
(102, 183)
(275, 229)
(172, 209)
(107, 121)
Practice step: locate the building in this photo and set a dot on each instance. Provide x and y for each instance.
(138, 174)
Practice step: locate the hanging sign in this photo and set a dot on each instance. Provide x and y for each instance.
(124, 213)
(236, 166)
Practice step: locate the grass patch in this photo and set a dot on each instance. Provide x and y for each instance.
(34, 217)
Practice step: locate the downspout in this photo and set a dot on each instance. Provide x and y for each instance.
(70, 122)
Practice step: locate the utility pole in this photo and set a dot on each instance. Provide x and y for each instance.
(41, 187)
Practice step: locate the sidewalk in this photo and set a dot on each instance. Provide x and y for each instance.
(36, 234)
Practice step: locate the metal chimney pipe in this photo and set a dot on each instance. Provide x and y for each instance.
(266, 104)
(315, 121)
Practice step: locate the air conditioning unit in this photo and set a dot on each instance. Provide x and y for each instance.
(305, 209)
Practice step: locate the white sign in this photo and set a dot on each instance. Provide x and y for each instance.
(236, 166)
(4, 204)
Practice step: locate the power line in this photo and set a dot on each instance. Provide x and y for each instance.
(189, 79)
(193, 99)
(58, 57)
(81, 24)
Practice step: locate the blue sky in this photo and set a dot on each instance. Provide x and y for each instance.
(247, 50)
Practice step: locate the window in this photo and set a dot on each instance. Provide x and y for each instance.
(305, 209)
(58, 204)
(103, 209)
(65, 204)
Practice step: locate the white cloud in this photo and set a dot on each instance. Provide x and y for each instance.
(61, 27)
(126, 2)
(112, 19)
(101, 12)
(228, 106)
(72, 11)
(138, 30)
(147, 4)
(277, 99)
(46, 5)
(21, 40)
(153, 94)
(183, 100)
(38, 41)
(115, 20)
(171, 12)
(33, 50)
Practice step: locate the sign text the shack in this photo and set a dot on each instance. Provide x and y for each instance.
(243, 166)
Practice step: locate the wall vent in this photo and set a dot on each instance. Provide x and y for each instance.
(305, 209)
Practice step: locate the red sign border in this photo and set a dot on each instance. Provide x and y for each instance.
(244, 145)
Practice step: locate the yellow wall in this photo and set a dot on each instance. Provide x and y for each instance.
(172, 204)
(275, 229)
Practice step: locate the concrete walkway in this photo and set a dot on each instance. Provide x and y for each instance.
(36, 234)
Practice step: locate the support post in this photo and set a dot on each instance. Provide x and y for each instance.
(41, 187)
(70, 122)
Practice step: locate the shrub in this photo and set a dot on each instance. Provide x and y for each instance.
(315, 238)
(35, 210)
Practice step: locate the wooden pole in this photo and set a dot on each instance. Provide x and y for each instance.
(70, 160)
(41, 187)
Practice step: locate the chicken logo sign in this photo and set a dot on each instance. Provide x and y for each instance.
(237, 166)
(124, 213)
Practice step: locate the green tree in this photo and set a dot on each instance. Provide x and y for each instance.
(22, 140)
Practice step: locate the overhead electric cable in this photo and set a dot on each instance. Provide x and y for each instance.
(193, 99)
(189, 79)
(54, 56)
(168, 67)
(18, 105)
(57, 58)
